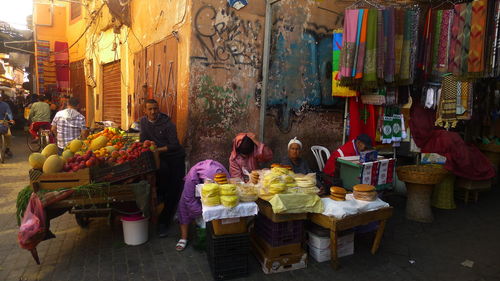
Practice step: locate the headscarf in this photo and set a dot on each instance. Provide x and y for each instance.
(237, 142)
(294, 140)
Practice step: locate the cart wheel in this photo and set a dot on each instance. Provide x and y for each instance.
(82, 221)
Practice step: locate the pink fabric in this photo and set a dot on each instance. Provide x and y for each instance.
(189, 205)
(237, 162)
(32, 229)
(62, 64)
(349, 39)
(464, 160)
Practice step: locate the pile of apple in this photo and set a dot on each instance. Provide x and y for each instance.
(132, 153)
(79, 162)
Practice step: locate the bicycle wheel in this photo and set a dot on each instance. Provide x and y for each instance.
(44, 141)
(34, 146)
(2, 148)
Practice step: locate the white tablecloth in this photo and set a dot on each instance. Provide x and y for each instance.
(244, 209)
(351, 206)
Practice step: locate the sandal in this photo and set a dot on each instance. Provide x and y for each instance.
(181, 245)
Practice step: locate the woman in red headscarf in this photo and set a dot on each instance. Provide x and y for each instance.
(247, 153)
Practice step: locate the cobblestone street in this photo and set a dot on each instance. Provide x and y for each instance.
(436, 251)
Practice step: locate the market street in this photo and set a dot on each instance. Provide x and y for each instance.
(409, 250)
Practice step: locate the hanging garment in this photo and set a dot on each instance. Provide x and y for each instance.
(444, 42)
(348, 43)
(390, 32)
(362, 46)
(447, 116)
(398, 44)
(496, 43)
(62, 65)
(461, 159)
(456, 39)
(337, 90)
(381, 42)
(404, 73)
(362, 119)
(477, 38)
(464, 99)
(493, 17)
(467, 12)
(413, 38)
(435, 43)
(370, 64)
(424, 49)
(387, 126)
(396, 126)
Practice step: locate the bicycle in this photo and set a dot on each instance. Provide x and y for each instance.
(44, 136)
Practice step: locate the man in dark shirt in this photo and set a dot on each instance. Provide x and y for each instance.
(158, 127)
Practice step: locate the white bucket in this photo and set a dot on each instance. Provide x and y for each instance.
(135, 230)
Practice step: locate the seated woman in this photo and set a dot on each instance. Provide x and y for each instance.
(299, 166)
(246, 155)
(190, 205)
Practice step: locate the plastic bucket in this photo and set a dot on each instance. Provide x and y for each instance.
(135, 229)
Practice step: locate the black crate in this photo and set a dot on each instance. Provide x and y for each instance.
(227, 245)
(145, 163)
(279, 233)
(227, 254)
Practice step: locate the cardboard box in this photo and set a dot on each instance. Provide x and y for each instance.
(279, 264)
(230, 226)
(345, 247)
(275, 252)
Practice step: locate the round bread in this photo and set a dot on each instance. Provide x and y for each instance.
(333, 197)
(275, 165)
(220, 176)
(338, 190)
(363, 187)
(287, 167)
(365, 196)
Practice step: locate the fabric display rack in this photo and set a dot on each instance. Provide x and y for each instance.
(46, 68)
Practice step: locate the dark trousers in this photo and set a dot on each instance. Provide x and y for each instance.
(170, 186)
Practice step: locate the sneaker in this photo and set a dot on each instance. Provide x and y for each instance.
(162, 230)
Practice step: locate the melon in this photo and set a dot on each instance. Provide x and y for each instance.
(53, 164)
(36, 160)
(75, 145)
(67, 154)
(110, 148)
(50, 149)
(98, 143)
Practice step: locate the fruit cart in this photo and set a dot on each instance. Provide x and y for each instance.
(98, 190)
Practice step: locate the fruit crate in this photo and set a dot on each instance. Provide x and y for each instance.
(226, 245)
(145, 163)
(227, 254)
(279, 233)
(52, 181)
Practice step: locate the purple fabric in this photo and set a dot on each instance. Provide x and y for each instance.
(189, 205)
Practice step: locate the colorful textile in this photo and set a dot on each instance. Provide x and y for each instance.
(381, 43)
(369, 173)
(477, 37)
(413, 38)
(390, 33)
(370, 65)
(425, 45)
(444, 42)
(362, 45)
(456, 39)
(62, 64)
(399, 35)
(495, 54)
(466, 32)
(447, 104)
(337, 90)
(404, 73)
(438, 21)
(348, 43)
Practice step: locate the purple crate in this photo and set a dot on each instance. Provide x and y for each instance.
(279, 233)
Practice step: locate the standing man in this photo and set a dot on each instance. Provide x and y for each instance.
(158, 127)
(6, 114)
(39, 116)
(69, 124)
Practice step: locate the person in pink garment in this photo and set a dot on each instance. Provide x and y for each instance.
(190, 205)
(247, 153)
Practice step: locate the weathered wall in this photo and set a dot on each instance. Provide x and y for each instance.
(226, 59)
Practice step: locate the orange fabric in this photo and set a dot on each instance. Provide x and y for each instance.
(362, 41)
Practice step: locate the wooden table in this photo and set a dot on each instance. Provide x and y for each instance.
(336, 225)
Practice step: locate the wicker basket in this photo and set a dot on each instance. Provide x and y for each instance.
(491, 147)
(422, 174)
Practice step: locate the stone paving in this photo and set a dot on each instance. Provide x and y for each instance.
(471, 232)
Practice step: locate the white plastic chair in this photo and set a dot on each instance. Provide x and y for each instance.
(318, 150)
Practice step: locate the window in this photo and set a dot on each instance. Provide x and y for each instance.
(76, 9)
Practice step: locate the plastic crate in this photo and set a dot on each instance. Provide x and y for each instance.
(145, 163)
(227, 245)
(350, 174)
(228, 267)
(281, 233)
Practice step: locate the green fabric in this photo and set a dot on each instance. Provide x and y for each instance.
(404, 74)
(370, 67)
(201, 239)
(40, 112)
(435, 41)
(396, 126)
(464, 66)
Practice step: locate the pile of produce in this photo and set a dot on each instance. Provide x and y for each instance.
(279, 180)
(108, 147)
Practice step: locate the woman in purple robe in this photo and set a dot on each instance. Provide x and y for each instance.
(190, 205)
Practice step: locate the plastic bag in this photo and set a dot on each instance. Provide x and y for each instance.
(32, 229)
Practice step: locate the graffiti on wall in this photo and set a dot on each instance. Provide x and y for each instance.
(218, 108)
(227, 40)
(300, 71)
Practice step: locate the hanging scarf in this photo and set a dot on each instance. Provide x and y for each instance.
(404, 74)
(491, 52)
(348, 43)
(387, 126)
(337, 90)
(358, 38)
(398, 47)
(370, 66)
(435, 43)
(414, 24)
(456, 39)
(464, 93)
(390, 32)
(477, 37)
(424, 43)
(381, 41)
(444, 42)
(465, 46)
(362, 46)
(447, 116)
(496, 42)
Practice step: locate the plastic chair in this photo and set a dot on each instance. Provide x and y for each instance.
(317, 150)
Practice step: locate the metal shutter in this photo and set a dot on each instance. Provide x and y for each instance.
(111, 96)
